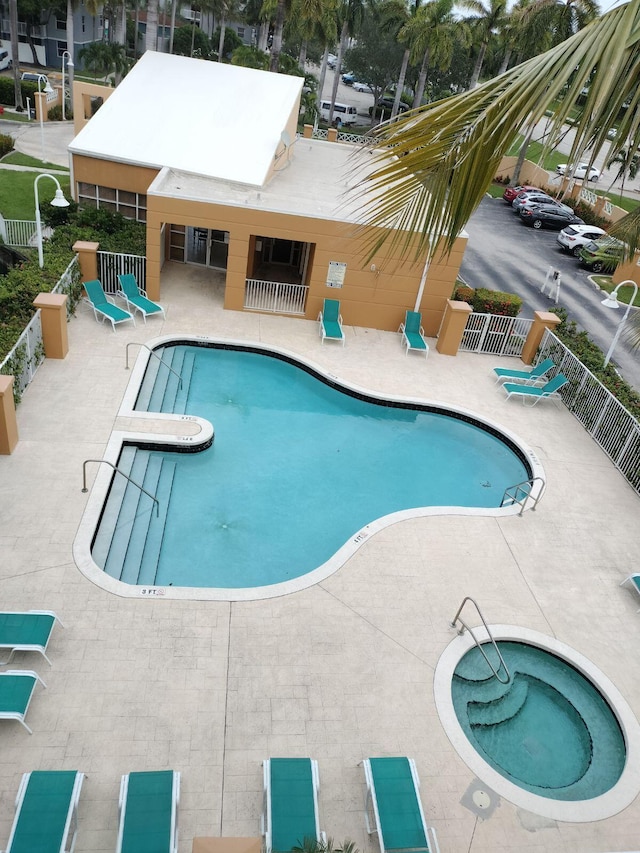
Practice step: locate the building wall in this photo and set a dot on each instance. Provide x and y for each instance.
(371, 297)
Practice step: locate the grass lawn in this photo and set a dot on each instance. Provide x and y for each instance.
(18, 198)
(15, 158)
(624, 294)
(7, 116)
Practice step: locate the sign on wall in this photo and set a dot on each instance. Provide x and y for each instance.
(335, 274)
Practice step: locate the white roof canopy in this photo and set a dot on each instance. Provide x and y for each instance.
(208, 118)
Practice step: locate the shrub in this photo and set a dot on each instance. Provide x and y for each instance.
(6, 144)
(55, 113)
(495, 302)
(7, 95)
(463, 293)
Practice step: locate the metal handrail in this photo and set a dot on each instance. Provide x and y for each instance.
(457, 618)
(118, 471)
(512, 492)
(153, 353)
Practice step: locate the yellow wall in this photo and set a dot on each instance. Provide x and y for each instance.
(82, 94)
(370, 298)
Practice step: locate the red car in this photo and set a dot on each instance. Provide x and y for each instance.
(511, 192)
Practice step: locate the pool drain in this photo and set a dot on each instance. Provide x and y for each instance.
(480, 800)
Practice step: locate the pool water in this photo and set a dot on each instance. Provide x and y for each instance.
(550, 731)
(296, 469)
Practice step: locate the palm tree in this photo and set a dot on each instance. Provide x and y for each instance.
(151, 35)
(432, 34)
(394, 16)
(15, 46)
(490, 18)
(445, 155)
(350, 15)
(312, 19)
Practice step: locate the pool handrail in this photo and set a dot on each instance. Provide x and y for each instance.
(457, 618)
(118, 471)
(152, 352)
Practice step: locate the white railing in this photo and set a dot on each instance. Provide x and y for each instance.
(603, 416)
(18, 232)
(589, 196)
(111, 265)
(275, 296)
(25, 357)
(494, 334)
(66, 282)
(355, 138)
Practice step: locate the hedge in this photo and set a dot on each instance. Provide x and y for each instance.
(21, 285)
(486, 301)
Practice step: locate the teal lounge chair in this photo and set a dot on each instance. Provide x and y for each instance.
(46, 818)
(16, 690)
(330, 322)
(290, 803)
(413, 333)
(529, 377)
(136, 298)
(633, 581)
(393, 797)
(26, 632)
(535, 394)
(149, 812)
(103, 309)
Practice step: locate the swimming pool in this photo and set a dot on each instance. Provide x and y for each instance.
(558, 740)
(302, 471)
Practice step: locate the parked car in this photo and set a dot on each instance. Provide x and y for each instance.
(362, 87)
(582, 171)
(348, 78)
(33, 77)
(511, 192)
(536, 197)
(385, 105)
(331, 60)
(5, 60)
(574, 237)
(549, 216)
(602, 255)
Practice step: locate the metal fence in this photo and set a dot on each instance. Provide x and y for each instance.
(495, 335)
(69, 278)
(111, 265)
(602, 415)
(18, 232)
(26, 356)
(275, 296)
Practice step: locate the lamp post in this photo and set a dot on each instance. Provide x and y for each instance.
(47, 90)
(58, 201)
(70, 67)
(612, 302)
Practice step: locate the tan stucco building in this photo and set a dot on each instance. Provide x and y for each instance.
(207, 155)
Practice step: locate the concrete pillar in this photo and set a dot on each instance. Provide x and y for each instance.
(40, 99)
(87, 258)
(598, 207)
(332, 134)
(53, 313)
(8, 420)
(308, 131)
(541, 320)
(454, 321)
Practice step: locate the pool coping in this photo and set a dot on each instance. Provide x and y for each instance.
(621, 795)
(177, 435)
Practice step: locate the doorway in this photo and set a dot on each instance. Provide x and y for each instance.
(207, 247)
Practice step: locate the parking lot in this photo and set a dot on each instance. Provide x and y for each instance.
(504, 254)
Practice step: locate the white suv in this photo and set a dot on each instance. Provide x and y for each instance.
(574, 237)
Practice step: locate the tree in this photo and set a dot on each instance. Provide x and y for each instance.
(151, 35)
(184, 38)
(33, 15)
(491, 16)
(13, 25)
(350, 15)
(231, 41)
(446, 156)
(250, 57)
(102, 58)
(394, 15)
(311, 19)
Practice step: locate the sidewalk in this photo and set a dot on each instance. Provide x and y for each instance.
(51, 138)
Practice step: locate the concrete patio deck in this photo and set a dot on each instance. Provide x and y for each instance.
(341, 671)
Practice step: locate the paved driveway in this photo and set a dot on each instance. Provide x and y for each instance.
(503, 254)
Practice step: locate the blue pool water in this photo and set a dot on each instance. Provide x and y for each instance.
(296, 469)
(550, 731)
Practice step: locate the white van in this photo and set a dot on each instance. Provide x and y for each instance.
(5, 60)
(346, 113)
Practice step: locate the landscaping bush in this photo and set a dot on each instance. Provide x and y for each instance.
(7, 95)
(592, 357)
(55, 113)
(463, 293)
(6, 144)
(495, 302)
(584, 211)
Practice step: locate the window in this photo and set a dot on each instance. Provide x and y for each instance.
(241, 32)
(83, 26)
(62, 46)
(61, 24)
(130, 205)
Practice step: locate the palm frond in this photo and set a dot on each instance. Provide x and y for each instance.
(432, 167)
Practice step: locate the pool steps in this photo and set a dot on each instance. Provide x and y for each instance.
(501, 708)
(160, 390)
(129, 539)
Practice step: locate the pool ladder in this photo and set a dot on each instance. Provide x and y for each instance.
(520, 494)
(458, 618)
